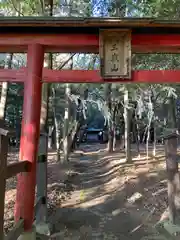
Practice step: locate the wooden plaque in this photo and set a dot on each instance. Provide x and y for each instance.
(115, 53)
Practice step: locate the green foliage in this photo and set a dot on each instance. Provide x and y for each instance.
(140, 95)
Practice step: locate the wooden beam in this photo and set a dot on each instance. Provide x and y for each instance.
(86, 42)
(50, 42)
(91, 76)
(13, 75)
(172, 40)
(19, 167)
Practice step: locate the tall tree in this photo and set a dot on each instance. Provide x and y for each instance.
(127, 135)
(108, 102)
(66, 122)
(4, 88)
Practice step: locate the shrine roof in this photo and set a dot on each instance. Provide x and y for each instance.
(91, 25)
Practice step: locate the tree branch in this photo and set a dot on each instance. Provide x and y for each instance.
(15, 8)
(64, 63)
(42, 6)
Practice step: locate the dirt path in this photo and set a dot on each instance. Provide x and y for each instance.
(111, 200)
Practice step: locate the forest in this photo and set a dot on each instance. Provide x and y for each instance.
(134, 109)
(134, 118)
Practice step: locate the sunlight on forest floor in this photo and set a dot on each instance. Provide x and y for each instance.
(132, 196)
(108, 197)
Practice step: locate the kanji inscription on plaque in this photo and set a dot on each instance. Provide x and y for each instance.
(115, 53)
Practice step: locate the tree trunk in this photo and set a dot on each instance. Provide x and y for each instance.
(110, 124)
(114, 127)
(55, 133)
(147, 142)
(150, 119)
(66, 123)
(155, 137)
(50, 137)
(154, 123)
(67, 117)
(172, 123)
(4, 89)
(127, 127)
(72, 136)
(58, 137)
(172, 174)
(136, 133)
(110, 137)
(80, 116)
(44, 108)
(114, 141)
(57, 126)
(17, 124)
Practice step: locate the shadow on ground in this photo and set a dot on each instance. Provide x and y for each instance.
(112, 199)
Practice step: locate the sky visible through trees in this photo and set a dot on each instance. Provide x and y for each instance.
(133, 117)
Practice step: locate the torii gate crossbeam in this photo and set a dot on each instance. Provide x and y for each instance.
(90, 76)
(37, 36)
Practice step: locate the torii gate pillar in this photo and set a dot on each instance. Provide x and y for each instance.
(30, 136)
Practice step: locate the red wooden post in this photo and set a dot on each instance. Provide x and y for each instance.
(30, 135)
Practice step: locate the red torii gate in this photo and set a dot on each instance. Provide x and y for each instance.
(37, 36)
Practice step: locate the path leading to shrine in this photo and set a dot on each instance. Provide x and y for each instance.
(101, 197)
(111, 199)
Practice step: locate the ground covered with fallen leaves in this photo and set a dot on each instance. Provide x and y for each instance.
(99, 196)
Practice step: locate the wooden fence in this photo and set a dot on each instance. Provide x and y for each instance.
(8, 171)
